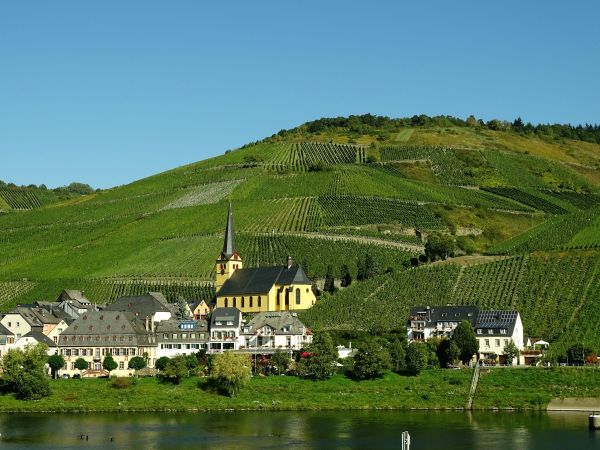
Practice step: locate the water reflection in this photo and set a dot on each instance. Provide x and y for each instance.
(299, 430)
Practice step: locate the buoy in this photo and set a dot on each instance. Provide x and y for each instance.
(594, 421)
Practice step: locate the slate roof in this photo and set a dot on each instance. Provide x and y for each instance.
(278, 321)
(4, 331)
(73, 294)
(225, 315)
(40, 337)
(139, 305)
(437, 314)
(496, 320)
(229, 248)
(105, 323)
(260, 280)
(174, 326)
(37, 316)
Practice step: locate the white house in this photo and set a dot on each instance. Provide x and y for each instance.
(494, 330)
(181, 337)
(225, 329)
(269, 331)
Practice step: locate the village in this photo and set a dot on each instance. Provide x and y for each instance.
(255, 312)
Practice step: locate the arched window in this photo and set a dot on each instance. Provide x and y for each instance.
(234, 302)
(259, 301)
(250, 301)
(297, 296)
(242, 302)
(226, 302)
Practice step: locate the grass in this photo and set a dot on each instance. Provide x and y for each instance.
(534, 387)
(524, 388)
(433, 389)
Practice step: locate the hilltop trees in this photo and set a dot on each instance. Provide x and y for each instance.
(439, 246)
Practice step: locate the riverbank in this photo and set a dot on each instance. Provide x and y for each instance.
(500, 388)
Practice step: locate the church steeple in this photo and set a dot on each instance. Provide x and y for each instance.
(229, 242)
(229, 261)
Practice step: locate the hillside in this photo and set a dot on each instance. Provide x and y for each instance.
(329, 195)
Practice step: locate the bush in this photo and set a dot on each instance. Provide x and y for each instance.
(32, 386)
(230, 372)
(121, 382)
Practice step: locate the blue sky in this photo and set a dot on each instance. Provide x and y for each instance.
(109, 92)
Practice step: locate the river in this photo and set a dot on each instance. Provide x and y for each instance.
(299, 430)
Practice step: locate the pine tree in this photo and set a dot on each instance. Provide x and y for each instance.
(346, 278)
(329, 285)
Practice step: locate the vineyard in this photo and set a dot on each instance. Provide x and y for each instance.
(351, 210)
(578, 230)
(444, 163)
(535, 201)
(24, 199)
(330, 203)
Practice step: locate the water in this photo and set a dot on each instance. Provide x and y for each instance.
(299, 430)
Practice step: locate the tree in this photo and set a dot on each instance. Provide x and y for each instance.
(439, 246)
(109, 363)
(176, 369)
(360, 269)
(24, 374)
(137, 363)
(371, 362)
(510, 352)
(182, 308)
(576, 354)
(464, 338)
(230, 372)
(191, 362)
(416, 358)
(321, 356)
(371, 268)
(81, 364)
(329, 285)
(56, 362)
(447, 352)
(346, 278)
(280, 361)
(398, 355)
(162, 362)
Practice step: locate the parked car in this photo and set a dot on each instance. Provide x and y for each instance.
(65, 376)
(78, 376)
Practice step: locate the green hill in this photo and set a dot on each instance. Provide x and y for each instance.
(328, 193)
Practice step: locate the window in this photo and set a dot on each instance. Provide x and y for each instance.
(490, 331)
(250, 301)
(226, 302)
(503, 331)
(505, 342)
(297, 296)
(242, 302)
(259, 301)
(234, 302)
(121, 365)
(487, 342)
(497, 342)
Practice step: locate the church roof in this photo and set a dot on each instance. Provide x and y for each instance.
(229, 241)
(260, 280)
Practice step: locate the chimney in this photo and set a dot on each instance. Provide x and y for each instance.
(289, 262)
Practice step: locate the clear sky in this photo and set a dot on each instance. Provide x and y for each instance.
(111, 91)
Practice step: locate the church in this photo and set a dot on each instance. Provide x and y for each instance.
(261, 289)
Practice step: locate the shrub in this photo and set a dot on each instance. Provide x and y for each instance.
(230, 372)
(121, 382)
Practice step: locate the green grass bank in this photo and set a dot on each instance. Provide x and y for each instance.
(502, 388)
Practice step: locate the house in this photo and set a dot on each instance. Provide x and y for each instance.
(35, 337)
(438, 321)
(74, 303)
(281, 288)
(494, 329)
(269, 331)
(199, 309)
(181, 337)
(97, 334)
(225, 329)
(7, 339)
(26, 318)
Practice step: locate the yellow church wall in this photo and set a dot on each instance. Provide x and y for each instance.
(269, 301)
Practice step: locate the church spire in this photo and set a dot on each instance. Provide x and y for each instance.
(229, 242)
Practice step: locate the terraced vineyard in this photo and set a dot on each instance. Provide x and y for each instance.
(351, 210)
(540, 211)
(535, 201)
(445, 164)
